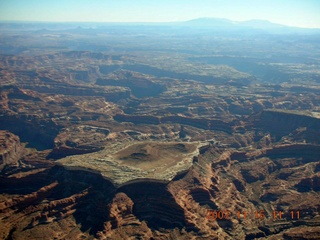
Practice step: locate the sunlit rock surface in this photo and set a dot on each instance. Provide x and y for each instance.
(138, 140)
(137, 161)
(11, 150)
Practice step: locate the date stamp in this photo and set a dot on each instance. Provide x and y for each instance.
(259, 214)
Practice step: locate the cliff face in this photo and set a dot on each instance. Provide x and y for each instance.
(11, 150)
(253, 162)
(112, 94)
(64, 204)
(281, 123)
(236, 184)
(38, 137)
(141, 85)
(195, 122)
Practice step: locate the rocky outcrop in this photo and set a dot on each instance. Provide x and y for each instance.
(311, 233)
(281, 123)
(79, 140)
(33, 130)
(121, 211)
(11, 150)
(137, 119)
(138, 162)
(298, 154)
(257, 171)
(84, 75)
(64, 151)
(54, 196)
(309, 184)
(195, 122)
(113, 94)
(147, 209)
(155, 205)
(140, 85)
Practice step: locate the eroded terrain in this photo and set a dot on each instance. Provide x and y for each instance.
(139, 142)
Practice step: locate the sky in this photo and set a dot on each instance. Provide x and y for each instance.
(299, 13)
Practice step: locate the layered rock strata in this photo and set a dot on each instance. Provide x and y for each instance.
(138, 162)
(11, 150)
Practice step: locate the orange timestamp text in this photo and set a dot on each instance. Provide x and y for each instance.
(259, 214)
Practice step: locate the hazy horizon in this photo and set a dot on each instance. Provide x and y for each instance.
(297, 13)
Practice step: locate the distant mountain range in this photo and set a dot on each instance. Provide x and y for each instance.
(217, 24)
(221, 22)
(229, 25)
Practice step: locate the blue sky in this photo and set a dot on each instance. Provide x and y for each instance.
(301, 13)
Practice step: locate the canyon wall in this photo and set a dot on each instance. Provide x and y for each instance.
(11, 150)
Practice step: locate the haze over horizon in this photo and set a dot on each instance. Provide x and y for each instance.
(298, 13)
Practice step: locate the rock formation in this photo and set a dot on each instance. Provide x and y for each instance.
(11, 150)
(117, 147)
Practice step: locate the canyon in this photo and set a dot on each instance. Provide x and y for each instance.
(139, 142)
